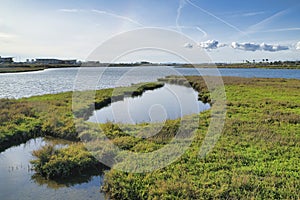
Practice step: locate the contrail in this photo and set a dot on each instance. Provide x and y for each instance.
(189, 27)
(202, 31)
(216, 17)
(103, 13)
(117, 16)
(254, 28)
(280, 30)
(181, 5)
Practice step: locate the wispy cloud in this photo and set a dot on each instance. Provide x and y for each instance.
(69, 10)
(216, 17)
(117, 16)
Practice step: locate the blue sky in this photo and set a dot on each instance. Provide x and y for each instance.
(230, 31)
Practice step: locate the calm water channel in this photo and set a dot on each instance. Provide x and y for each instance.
(168, 102)
(18, 181)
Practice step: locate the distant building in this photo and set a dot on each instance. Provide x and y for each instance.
(6, 60)
(144, 63)
(70, 62)
(49, 61)
(93, 64)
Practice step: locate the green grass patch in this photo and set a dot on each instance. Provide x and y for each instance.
(255, 158)
(52, 115)
(61, 163)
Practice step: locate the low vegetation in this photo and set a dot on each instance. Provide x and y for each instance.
(247, 64)
(61, 163)
(24, 67)
(52, 115)
(256, 157)
(19, 69)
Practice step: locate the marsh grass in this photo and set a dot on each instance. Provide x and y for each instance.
(61, 163)
(52, 115)
(256, 157)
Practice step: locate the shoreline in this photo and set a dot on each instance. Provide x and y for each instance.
(17, 68)
(241, 66)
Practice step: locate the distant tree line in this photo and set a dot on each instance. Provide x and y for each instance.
(279, 62)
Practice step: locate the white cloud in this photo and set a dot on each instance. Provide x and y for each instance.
(273, 48)
(188, 45)
(298, 46)
(257, 47)
(245, 46)
(222, 45)
(211, 44)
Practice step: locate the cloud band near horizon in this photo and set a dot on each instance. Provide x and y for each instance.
(246, 46)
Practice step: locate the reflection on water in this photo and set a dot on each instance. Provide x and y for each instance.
(67, 182)
(18, 181)
(168, 102)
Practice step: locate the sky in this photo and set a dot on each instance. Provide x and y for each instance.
(227, 31)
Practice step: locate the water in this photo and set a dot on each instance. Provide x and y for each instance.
(19, 182)
(168, 102)
(51, 81)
